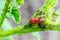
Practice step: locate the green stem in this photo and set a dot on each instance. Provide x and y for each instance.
(22, 30)
(3, 15)
(4, 12)
(19, 30)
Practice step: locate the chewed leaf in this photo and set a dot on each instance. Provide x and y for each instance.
(20, 2)
(16, 14)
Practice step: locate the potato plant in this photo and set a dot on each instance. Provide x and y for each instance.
(46, 18)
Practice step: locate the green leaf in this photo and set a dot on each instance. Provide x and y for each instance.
(16, 14)
(20, 2)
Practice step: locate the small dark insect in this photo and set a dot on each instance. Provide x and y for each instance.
(42, 26)
(41, 21)
(29, 24)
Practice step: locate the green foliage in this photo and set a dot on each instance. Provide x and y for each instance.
(16, 14)
(20, 2)
(48, 5)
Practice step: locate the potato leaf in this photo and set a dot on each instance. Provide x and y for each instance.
(20, 2)
(16, 14)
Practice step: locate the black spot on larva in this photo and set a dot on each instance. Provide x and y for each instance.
(41, 26)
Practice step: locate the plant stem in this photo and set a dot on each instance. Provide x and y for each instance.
(3, 15)
(18, 30)
(22, 30)
(4, 12)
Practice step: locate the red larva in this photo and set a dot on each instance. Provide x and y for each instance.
(34, 20)
(41, 21)
(37, 20)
